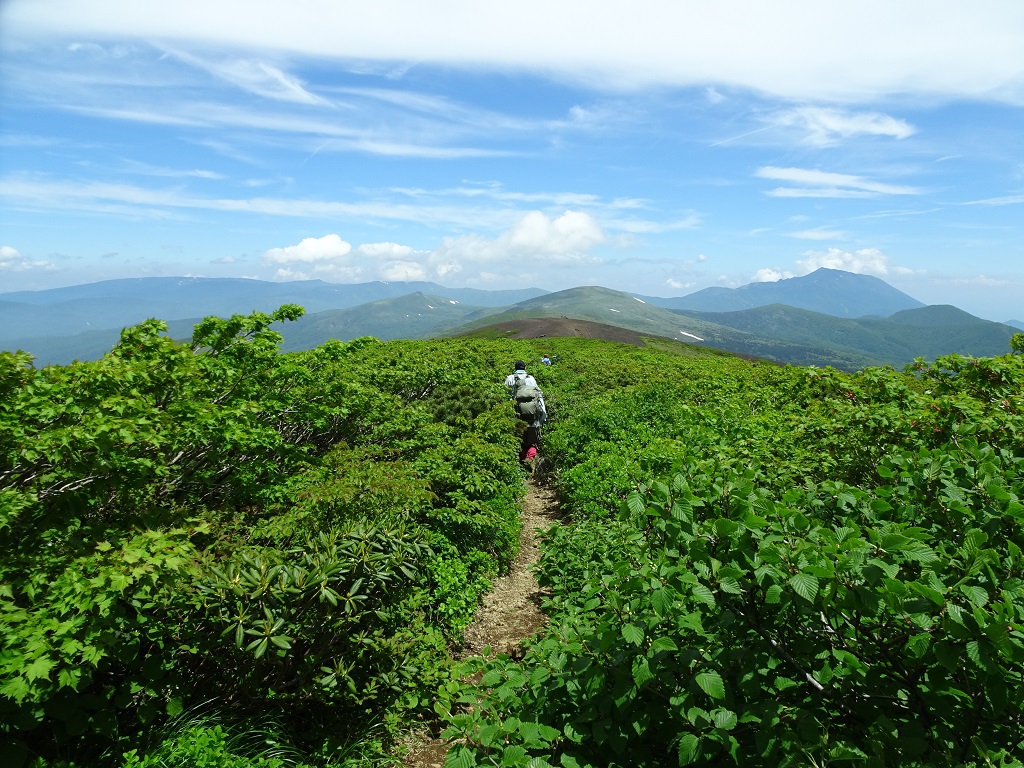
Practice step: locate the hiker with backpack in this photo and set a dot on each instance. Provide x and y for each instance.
(529, 404)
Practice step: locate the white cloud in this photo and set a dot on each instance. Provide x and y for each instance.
(534, 238)
(824, 127)
(39, 193)
(259, 77)
(800, 49)
(404, 271)
(329, 248)
(145, 169)
(866, 261)
(12, 260)
(385, 250)
(815, 183)
(646, 226)
(819, 233)
(678, 284)
(1007, 200)
(769, 275)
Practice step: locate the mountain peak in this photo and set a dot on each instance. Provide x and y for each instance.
(833, 292)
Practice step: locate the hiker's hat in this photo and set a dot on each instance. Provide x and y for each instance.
(520, 365)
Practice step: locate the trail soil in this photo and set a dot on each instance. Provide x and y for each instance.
(509, 614)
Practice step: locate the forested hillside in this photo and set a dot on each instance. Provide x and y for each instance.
(219, 554)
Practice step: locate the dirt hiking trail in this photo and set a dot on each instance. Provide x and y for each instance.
(509, 614)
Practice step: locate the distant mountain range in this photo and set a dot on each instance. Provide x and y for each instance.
(119, 303)
(868, 323)
(828, 291)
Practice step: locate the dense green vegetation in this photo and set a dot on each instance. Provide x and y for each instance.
(287, 542)
(219, 554)
(772, 566)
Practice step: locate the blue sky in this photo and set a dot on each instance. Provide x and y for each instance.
(652, 147)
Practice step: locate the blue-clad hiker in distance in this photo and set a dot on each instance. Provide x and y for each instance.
(529, 401)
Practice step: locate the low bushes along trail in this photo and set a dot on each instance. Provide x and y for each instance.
(510, 612)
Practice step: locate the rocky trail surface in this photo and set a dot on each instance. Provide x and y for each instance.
(509, 614)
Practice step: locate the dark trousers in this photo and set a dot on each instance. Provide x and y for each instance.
(531, 437)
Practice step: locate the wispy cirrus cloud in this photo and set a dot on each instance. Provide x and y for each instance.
(440, 208)
(257, 76)
(689, 220)
(261, 102)
(146, 169)
(815, 183)
(1004, 200)
(824, 127)
(29, 192)
(983, 281)
(819, 233)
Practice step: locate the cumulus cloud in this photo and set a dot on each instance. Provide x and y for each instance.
(329, 248)
(678, 284)
(13, 261)
(535, 241)
(769, 275)
(824, 127)
(329, 257)
(866, 261)
(385, 250)
(403, 271)
(534, 238)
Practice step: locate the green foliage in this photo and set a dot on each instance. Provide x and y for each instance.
(328, 617)
(209, 747)
(217, 519)
(765, 566)
(774, 567)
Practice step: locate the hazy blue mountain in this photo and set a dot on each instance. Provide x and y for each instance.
(880, 334)
(413, 316)
(1015, 324)
(927, 332)
(603, 305)
(406, 317)
(828, 291)
(119, 303)
(91, 345)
